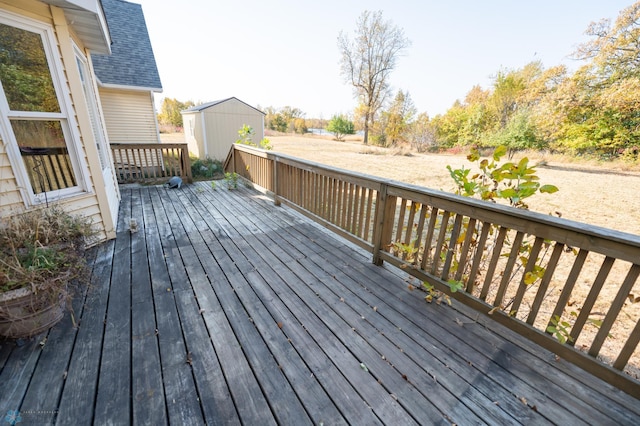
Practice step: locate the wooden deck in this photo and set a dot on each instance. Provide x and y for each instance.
(223, 308)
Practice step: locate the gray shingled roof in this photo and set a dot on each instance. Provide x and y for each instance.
(132, 62)
(201, 107)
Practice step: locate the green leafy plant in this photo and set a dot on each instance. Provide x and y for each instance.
(560, 329)
(245, 137)
(205, 168)
(508, 181)
(231, 180)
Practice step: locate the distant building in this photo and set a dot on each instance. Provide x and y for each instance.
(210, 129)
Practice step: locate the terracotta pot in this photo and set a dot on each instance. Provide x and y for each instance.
(24, 313)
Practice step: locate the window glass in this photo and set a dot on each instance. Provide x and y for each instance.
(24, 71)
(45, 155)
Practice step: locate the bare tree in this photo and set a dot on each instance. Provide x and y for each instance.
(369, 58)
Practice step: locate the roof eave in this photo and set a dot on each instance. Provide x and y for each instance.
(125, 87)
(87, 19)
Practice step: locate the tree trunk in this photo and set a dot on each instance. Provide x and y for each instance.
(366, 129)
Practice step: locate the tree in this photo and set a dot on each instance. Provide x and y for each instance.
(367, 61)
(421, 133)
(170, 111)
(399, 117)
(340, 126)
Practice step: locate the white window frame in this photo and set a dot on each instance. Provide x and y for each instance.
(66, 117)
(95, 114)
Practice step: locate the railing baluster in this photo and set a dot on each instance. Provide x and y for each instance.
(433, 220)
(531, 263)
(628, 349)
(497, 249)
(508, 270)
(457, 223)
(614, 310)
(464, 251)
(400, 223)
(442, 235)
(368, 232)
(569, 284)
(590, 301)
(558, 248)
(419, 230)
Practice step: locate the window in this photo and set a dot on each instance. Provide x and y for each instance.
(34, 118)
(94, 114)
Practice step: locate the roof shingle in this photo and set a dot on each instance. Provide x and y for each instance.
(132, 62)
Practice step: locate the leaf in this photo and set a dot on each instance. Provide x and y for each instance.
(474, 155)
(499, 152)
(364, 367)
(492, 311)
(548, 189)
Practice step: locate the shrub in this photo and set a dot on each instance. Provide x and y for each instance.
(206, 169)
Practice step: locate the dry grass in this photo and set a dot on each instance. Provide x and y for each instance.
(597, 194)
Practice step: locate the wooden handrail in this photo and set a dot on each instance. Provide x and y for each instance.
(151, 163)
(541, 276)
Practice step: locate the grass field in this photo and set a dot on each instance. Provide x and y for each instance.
(599, 194)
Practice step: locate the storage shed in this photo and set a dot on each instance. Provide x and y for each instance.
(211, 128)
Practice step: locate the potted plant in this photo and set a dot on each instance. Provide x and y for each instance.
(41, 255)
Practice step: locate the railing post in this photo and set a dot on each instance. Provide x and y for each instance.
(233, 158)
(383, 225)
(276, 198)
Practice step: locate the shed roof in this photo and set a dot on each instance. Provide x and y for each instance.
(204, 106)
(132, 63)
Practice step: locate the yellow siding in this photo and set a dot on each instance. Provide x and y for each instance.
(193, 134)
(11, 201)
(222, 123)
(30, 8)
(129, 116)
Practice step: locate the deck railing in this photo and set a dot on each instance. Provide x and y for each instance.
(150, 163)
(49, 169)
(568, 286)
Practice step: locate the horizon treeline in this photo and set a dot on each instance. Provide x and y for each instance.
(594, 110)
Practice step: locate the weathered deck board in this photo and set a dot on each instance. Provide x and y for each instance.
(224, 309)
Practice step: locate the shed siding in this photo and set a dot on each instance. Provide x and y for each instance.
(193, 134)
(217, 126)
(129, 116)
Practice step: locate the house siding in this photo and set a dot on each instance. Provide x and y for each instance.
(87, 203)
(10, 198)
(129, 116)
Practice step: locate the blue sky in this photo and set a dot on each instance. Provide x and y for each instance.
(282, 52)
